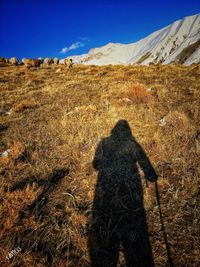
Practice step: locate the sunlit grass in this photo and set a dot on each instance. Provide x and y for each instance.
(55, 120)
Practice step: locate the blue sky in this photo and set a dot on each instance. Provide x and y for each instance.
(34, 28)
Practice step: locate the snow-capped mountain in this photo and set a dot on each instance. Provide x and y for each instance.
(177, 43)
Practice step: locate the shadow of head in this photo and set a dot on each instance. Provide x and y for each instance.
(121, 131)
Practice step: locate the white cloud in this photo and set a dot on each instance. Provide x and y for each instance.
(84, 39)
(72, 47)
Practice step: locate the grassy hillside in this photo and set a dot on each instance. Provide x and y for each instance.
(51, 121)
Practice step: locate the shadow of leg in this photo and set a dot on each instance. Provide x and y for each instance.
(136, 244)
(103, 253)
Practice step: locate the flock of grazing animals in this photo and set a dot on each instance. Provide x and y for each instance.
(35, 62)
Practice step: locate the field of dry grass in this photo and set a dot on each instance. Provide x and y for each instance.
(51, 121)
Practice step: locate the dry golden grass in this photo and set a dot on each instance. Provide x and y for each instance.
(25, 104)
(137, 94)
(54, 121)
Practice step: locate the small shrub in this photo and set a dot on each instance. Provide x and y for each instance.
(137, 95)
(25, 104)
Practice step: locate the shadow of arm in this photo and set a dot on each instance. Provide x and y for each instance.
(98, 158)
(145, 164)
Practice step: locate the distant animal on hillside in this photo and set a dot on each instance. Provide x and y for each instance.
(56, 61)
(41, 59)
(48, 61)
(13, 61)
(31, 62)
(3, 60)
(68, 62)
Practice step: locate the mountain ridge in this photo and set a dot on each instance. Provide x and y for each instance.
(162, 46)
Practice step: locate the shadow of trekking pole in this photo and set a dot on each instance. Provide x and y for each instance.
(163, 227)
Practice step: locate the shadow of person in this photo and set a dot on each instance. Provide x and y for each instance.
(118, 215)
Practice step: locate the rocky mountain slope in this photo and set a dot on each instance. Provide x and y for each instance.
(176, 43)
